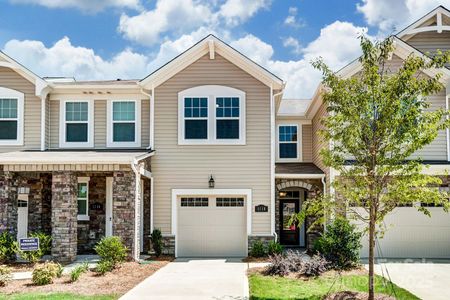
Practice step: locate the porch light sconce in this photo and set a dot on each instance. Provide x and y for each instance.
(211, 182)
(282, 194)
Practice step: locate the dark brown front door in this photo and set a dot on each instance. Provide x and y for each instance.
(289, 233)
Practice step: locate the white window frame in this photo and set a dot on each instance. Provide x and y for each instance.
(86, 216)
(211, 92)
(137, 128)
(299, 148)
(6, 93)
(62, 125)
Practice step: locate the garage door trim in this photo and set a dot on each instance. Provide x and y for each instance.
(176, 193)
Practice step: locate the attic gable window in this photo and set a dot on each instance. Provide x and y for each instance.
(211, 115)
(11, 117)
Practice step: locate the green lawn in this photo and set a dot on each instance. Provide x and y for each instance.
(54, 296)
(269, 287)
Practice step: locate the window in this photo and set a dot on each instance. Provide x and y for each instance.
(196, 118)
(229, 202)
(287, 142)
(83, 198)
(227, 118)
(123, 125)
(11, 117)
(76, 123)
(211, 115)
(194, 202)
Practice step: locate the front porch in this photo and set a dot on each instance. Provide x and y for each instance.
(295, 183)
(78, 204)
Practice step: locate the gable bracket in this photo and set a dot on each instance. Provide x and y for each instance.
(211, 49)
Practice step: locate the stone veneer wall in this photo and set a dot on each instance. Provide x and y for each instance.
(8, 202)
(146, 217)
(168, 245)
(313, 188)
(123, 206)
(64, 216)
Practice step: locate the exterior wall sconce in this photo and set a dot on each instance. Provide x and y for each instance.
(211, 182)
(282, 194)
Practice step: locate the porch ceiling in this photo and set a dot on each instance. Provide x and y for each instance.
(294, 169)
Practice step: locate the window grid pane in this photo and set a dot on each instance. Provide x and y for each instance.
(227, 107)
(124, 111)
(194, 202)
(229, 202)
(195, 107)
(8, 108)
(288, 133)
(76, 111)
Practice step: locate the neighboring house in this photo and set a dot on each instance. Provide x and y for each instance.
(204, 148)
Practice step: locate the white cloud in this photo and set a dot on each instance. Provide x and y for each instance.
(291, 42)
(177, 16)
(291, 20)
(235, 12)
(254, 48)
(391, 16)
(65, 59)
(84, 5)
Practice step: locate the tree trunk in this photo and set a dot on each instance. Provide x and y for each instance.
(371, 252)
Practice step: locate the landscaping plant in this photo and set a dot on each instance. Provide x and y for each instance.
(314, 266)
(258, 249)
(340, 244)
(7, 246)
(45, 273)
(111, 251)
(78, 270)
(45, 245)
(379, 118)
(104, 266)
(274, 248)
(5, 275)
(157, 243)
(296, 262)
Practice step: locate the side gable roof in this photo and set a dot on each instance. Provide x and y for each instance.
(42, 87)
(211, 44)
(436, 20)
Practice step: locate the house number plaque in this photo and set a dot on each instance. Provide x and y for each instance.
(261, 208)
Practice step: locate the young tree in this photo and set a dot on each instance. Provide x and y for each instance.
(376, 120)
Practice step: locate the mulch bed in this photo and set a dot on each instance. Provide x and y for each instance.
(251, 259)
(348, 295)
(22, 266)
(117, 282)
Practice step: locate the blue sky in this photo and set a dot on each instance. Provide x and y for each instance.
(105, 39)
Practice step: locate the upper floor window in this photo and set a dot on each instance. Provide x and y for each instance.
(288, 141)
(76, 123)
(123, 125)
(211, 114)
(11, 117)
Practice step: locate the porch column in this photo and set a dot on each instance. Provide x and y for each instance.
(64, 216)
(124, 192)
(8, 202)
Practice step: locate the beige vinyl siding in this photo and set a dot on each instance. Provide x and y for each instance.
(317, 141)
(233, 167)
(47, 123)
(307, 146)
(54, 124)
(100, 123)
(32, 109)
(430, 41)
(145, 123)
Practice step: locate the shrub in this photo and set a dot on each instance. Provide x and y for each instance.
(78, 270)
(314, 266)
(284, 264)
(45, 245)
(340, 244)
(7, 246)
(274, 248)
(156, 239)
(111, 249)
(258, 249)
(5, 275)
(104, 266)
(45, 273)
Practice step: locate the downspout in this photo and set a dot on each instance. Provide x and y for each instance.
(137, 211)
(43, 118)
(152, 114)
(324, 183)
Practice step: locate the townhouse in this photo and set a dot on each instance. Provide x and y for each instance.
(204, 148)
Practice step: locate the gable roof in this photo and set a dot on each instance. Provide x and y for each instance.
(42, 87)
(211, 44)
(432, 21)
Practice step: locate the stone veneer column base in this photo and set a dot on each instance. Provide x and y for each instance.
(265, 239)
(168, 245)
(8, 202)
(64, 216)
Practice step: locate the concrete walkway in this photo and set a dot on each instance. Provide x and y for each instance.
(428, 280)
(195, 279)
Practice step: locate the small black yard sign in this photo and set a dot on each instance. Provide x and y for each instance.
(261, 208)
(29, 244)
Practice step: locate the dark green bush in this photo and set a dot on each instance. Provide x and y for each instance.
(45, 273)
(111, 249)
(7, 246)
(45, 245)
(274, 248)
(5, 275)
(157, 243)
(78, 270)
(340, 244)
(104, 266)
(258, 249)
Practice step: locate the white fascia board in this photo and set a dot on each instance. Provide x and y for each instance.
(408, 30)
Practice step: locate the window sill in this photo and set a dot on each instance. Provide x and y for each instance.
(83, 218)
(11, 143)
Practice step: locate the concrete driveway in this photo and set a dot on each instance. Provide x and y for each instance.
(429, 280)
(195, 279)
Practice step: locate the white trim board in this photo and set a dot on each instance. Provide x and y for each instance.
(176, 193)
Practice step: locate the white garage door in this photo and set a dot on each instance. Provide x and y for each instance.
(411, 234)
(211, 227)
